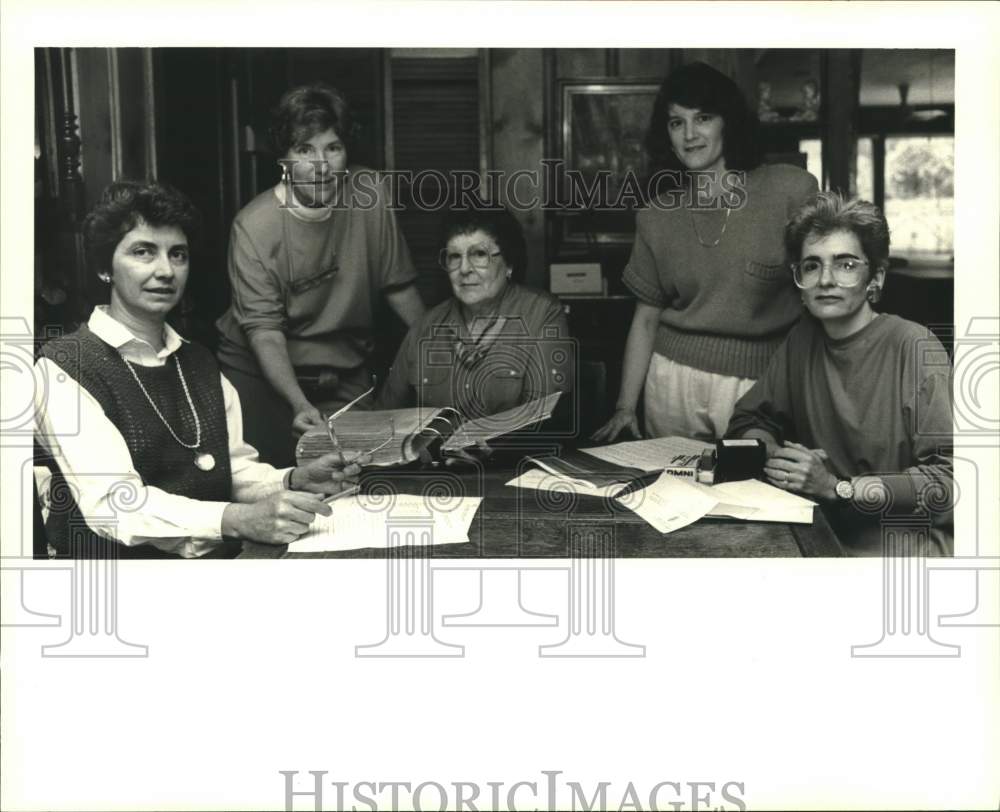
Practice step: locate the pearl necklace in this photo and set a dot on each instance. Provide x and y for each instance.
(204, 460)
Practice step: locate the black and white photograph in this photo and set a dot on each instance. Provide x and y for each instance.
(500, 406)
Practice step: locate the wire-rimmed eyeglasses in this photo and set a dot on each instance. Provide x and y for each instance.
(847, 272)
(479, 256)
(383, 436)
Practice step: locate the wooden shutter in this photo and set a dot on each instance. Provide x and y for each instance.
(435, 125)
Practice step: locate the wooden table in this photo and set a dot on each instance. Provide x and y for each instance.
(516, 523)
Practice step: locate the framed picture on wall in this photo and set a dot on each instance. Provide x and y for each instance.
(603, 131)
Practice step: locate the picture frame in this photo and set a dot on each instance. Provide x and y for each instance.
(603, 129)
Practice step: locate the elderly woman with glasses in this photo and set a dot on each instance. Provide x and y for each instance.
(495, 344)
(309, 261)
(144, 433)
(855, 406)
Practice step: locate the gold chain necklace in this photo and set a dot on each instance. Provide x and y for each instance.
(204, 460)
(696, 234)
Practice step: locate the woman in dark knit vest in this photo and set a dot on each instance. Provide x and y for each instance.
(855, 406)
(708, 264)
(147, 436)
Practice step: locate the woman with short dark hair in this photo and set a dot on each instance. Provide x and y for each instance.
(855, 406)
(707, 265)
(144, 432)
(495, 344)
(309, 260)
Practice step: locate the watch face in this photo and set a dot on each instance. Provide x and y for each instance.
(845, 490)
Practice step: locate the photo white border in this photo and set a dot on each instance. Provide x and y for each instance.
(748, 674)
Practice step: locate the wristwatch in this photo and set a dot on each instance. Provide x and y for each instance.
(844, 490)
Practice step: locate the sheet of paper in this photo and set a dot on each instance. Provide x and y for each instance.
(358, 522)
(538, 480)
(752, 500)
(497, 425)
(650, 455)
(669, 503)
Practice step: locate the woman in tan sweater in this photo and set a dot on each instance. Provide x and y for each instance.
(708, 263)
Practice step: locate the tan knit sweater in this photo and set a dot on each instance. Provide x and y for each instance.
(726, 307)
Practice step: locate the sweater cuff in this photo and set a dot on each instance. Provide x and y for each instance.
(647, 292)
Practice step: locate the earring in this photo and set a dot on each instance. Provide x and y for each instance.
(874, 293)
(284, 173)
(509, 273)
(105, 277)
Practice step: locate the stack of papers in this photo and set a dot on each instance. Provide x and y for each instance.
(673, 502)
(360, 521)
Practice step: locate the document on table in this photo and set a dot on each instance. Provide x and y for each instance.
(538, 480)
(651, 455)
(669, 503)
(362, 521)
(756, 501)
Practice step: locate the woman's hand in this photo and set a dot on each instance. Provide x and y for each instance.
(279, 519)
(329, 474)
(306, 418)
(620, 420)
(795, 468)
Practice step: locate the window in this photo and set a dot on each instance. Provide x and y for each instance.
(865, 174)
(919, 196)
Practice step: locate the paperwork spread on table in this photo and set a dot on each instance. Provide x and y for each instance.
(756, 501)
(536, 479)
(669, 503)
(362, 521)
(673, 502)
(650, 455)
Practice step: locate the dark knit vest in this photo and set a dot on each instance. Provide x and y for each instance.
(159, 459)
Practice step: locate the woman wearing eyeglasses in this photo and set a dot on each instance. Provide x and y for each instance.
(707, 266)
(144, 432)
(309, 261)
(495, 344)
(855, 406)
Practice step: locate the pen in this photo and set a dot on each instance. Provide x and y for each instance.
(349, 492)
(343, 409)
(638, 483)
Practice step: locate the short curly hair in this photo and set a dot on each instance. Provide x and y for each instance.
(828, 212)
(307, 110)
(499, 224)
(701, 87)
(126, 204)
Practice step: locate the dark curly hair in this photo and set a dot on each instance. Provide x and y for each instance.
(701, 87)
(499, 224)
(307, 110)
(126, 204)
(828, 212)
